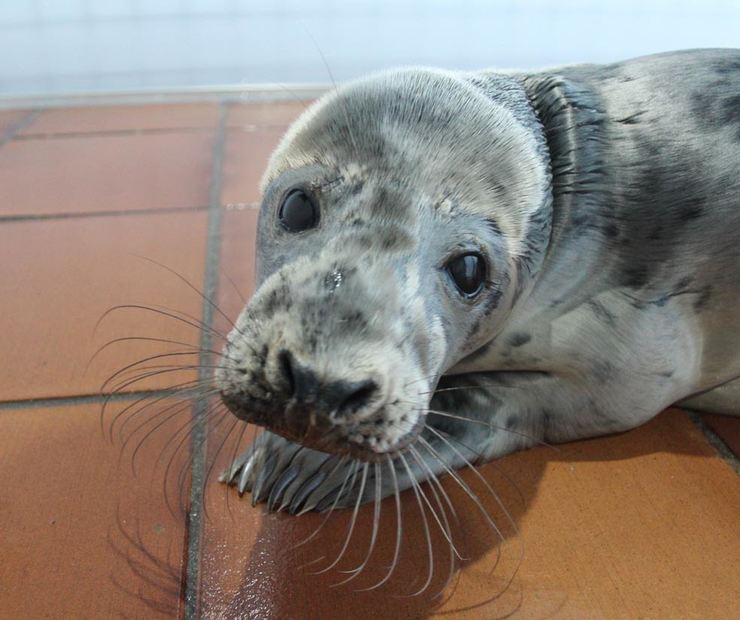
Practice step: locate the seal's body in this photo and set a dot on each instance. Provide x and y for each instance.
(546, 256)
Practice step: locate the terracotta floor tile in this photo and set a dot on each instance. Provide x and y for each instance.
(237, 263)
(275, 114)
(247, 154)
(81, 536)
(111, 173)
(58, 277)
(637, 525)
(728, 429)
(8, 118)
(115, 118)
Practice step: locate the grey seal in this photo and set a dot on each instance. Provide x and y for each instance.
(452, 266)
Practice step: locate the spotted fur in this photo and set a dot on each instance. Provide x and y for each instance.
(606, 200)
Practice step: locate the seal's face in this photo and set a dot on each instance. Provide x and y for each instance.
(382, 260)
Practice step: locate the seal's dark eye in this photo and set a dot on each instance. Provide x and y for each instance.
(298, 211)
(468, 273)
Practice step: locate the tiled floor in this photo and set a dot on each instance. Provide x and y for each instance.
(98, 516)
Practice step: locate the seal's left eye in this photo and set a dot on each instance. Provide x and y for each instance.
(298, 211)
(468, 272)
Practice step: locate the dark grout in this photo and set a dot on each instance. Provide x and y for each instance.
(83, 399)
(12, 131)
(200, 409)
(86, 214)
(101, 133)
(725, 452)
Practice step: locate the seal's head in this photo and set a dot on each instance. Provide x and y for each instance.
(403, 215)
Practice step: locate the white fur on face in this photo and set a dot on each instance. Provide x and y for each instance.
(292, 311)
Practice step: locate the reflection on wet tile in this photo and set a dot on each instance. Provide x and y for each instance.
(612, 527)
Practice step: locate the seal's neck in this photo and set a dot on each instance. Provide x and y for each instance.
(572, 122)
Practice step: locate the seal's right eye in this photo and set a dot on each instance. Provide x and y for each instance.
(298, 211)
(468, 272)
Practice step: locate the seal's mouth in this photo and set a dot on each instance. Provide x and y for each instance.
(364, 441)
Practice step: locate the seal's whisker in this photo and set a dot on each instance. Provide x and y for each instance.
(129, 372)
(186, 428)
(444, 528)
(351, 524)
(201, 424)
(239, 294)
(480, 477)
(355, 572)
(334, 84)
(166, 312)
(461, 482)
(399, 529)
(493, 463)
(509, 517)
(460, 388)
(167, 414)
(430, 551)
(187, 282)
(120, 387)
(136, 366)
(419, 379)
(151, 432)
(477, 501)
(490, 425)
(178, 403)
(433, 512)
(469, 492)
(195, 348)
(146, 372)
(223, 415)
(189, 388)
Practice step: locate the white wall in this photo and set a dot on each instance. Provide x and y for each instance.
(53, 46)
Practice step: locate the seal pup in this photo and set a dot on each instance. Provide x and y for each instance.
(452, 266)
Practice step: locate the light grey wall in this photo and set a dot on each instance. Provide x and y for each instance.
(56, 46)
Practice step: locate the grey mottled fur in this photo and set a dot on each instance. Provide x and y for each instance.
(606, 199)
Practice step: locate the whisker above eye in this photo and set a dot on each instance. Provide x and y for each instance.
(187, 282)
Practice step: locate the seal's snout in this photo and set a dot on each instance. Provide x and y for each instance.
(322, 356)
(329, 399)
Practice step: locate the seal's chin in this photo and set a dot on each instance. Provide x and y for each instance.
(370, 441)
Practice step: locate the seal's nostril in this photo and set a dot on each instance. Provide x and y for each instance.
(358, 396)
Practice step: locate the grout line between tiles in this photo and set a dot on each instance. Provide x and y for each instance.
(103, 133)
(12, 131)
(86, 214)
(200, 406)
(83, 399)
(715, 441)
